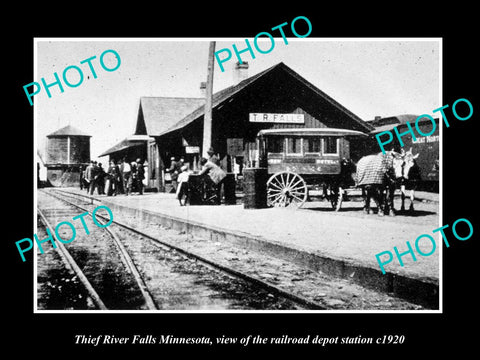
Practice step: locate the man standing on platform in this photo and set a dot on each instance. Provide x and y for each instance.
(100, 179)
(213, 157)
(89, 178)
(215, 176)
(140, 176)
(173, 170)
(127, 176)
(113, 179)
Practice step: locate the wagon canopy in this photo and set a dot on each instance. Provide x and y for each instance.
(310, 132)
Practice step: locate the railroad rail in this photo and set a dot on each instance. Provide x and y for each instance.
(150, 302)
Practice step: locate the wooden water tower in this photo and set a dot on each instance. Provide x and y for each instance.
(68, 151)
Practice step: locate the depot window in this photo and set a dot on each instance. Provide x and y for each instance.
(294, 146)
(311, 145)
(330, 146)
(275, 145)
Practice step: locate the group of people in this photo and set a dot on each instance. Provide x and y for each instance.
(213, 174)
(120, 178)
(123, 177)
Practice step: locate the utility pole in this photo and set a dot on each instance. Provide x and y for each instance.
(207, 118)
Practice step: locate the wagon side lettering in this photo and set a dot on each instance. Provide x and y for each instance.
(419, 141)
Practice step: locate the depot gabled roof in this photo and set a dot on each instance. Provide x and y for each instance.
(223, 95)
(157, 114)
(129, 142)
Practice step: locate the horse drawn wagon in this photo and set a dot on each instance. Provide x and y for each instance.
(301, 159)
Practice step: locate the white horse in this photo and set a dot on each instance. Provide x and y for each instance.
(407, 173)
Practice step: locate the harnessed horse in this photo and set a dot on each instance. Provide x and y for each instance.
(407, 173)
(374, 175)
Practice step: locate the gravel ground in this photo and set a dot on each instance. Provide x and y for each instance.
(175, 281)
(329, 292)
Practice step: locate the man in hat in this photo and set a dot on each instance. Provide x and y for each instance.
(100, 179)
(215, 177)
(173, 170)
(89, 178)
(126, 176)
(113, 179)
(140, 175)
(213, 157)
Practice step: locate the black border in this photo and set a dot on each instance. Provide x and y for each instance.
(426, 333)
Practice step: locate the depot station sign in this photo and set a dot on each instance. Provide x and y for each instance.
(277, 118)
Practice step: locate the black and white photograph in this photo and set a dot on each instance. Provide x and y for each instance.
(262, 182)
(223, 180)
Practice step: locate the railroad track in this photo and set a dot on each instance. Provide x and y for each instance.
(147, 273)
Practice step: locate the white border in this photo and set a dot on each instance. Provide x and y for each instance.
(333, 39)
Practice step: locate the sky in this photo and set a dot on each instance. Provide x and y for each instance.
(370, 77)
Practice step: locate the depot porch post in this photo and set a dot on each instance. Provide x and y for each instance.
(207, 119)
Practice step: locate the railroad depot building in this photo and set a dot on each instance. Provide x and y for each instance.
(277, 97)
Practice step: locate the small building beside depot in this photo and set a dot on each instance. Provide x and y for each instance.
(67, 153)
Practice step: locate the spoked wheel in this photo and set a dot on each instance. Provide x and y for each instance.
(286, 189)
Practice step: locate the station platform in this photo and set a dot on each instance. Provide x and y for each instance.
(342, 244)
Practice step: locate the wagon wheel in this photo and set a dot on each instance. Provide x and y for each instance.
(286, 189)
